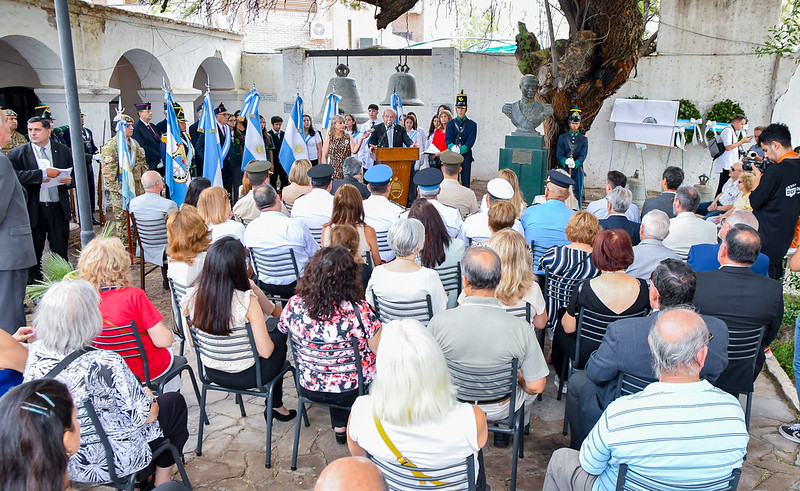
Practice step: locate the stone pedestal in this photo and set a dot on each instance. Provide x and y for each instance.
(527, 156)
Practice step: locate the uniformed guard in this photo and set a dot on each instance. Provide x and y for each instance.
(17, 138)
(476, 226)
(316, 207)
(428, 183)
(460, 136)
(571, 152)
(452, 193)
(245, 210)
(379, 212)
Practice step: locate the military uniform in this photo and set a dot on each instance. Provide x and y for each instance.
(17, 139)
(315, 208)
(571, 153)
(428, 180)
(112, 188)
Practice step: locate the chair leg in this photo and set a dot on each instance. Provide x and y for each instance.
(563, 376)
(268, 417)
(521, 432)
(301, 411)
(514, 457)
(203, 416)
(747, 410)
(240, 402)
(141, 271)
(196, 391)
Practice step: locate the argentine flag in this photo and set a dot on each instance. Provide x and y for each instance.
(397, 107)
(331, 109)
(176, 174)
(294, 146)
(212, 158)
(124, 161)
(254, 148)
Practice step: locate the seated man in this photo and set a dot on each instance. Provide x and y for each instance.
(619, 200)
(351, 168)
(724, 201)
(275, 233)
(651, 251)
(428, 183)
(315, 208)
(671, 180)
(480, 334)
(703, 257)
(476, 226)
(546, 224)
(680, 429)
(454, 194)
(599, 208)
(686, 229)
(624, 349)
(379, 212)
(151, 206)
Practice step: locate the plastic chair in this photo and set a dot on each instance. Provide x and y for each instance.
(387, 310)
(281, 265)
(743, 347)
(383, 241)
(177, 292)
(399, 477)
(537, 251)
(493, 385)
(451, 278)
(628, 384)
(630, 481)
(238, 346)
(524, 312)
(150, 234)
(316, 233)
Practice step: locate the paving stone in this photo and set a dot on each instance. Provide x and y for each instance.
(778, 481)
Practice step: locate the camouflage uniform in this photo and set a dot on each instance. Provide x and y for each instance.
(112, 187)
(17, 139)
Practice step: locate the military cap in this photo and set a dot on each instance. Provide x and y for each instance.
(258, 169)
(499, 188)
(320, 174)
(428, 179)
(144, 106)
(378, 174)
(451, 158)
(559, 179)
(461, 99)
(179, 113)
(44, 112)
(574, 115)
(198, 108)
(220, 109)
(10, 113)
(123, 117)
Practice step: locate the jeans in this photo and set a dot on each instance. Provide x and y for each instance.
(797, 355)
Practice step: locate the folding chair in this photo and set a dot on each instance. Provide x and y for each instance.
(239, 345)
(492, 385)
(152, 235)
(281, 265)
(387, 310)
(308, 357)
(628, 384)
(743, 346)
(627, 480)
(399, 477)
(177, 292)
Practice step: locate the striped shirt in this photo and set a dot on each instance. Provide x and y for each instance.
(681, 433)
(567, 263)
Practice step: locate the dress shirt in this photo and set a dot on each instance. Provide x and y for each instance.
(314, 209)
(451, 218)
(276, 233)
(380, 214)
(454, 194)
(686, 230)
(730, 192)
(45, 161)
(546, 224)
(599, 208)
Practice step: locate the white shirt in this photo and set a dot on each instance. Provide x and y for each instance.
(686, 230)
(314, 209)
(399, 287)
(363, 152)
(476, 227)
(44, 163)
(230, 227)
(277, 233)
(730, 192)
(380, 214)
(728, 157)
(450, 216)
(311, 143)
(599, 208)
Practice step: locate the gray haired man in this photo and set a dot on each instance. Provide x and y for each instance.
(650, 251)
(351, 167)
(619, 200)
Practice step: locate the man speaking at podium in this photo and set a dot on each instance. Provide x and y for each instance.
(389, 134)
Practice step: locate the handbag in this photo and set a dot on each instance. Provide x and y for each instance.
(402, 460)
(716, 146)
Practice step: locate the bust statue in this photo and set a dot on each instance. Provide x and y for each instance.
(527, 113)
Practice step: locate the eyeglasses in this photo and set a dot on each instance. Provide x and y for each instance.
(709, 338)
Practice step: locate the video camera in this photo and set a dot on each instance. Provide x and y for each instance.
(750, 162)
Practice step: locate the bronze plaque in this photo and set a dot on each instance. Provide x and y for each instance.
(522, 157)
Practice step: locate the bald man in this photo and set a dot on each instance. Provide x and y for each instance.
(151, 206)
(351, 474)
(389, 134)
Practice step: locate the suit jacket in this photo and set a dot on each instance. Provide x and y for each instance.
(89, 147)
(16, 240)
(362, 188)
(277, 141)
(161, 127)
(646, 257)
(663, 203)
(198, 157)
(399, 138)
(741, 298)
(703, 257)
(620, 222)
(151, 144)
(686, 230)
(30, 176)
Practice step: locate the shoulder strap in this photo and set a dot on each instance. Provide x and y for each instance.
(402, 460)
(69, 359)
(358, 315)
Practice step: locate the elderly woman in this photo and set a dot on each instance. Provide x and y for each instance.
(348, 208)
(299, 183)
(188, 240)
(106, 265)
(425, 422)
(66, 321)
(214, 206)
(403, 279)
(328, 310)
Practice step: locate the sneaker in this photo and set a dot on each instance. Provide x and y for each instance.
(790, 432)
(557, 382)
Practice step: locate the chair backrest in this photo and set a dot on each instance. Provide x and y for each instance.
(383, 241)
(486, 384)
(629, 480)
(177, 292)
(628, 384)
(387, 310)
(239, 345)
(523, 311)
(451, 278)
(127, 343)
(743, 347)
(316, 233)
(288, 207)
(592, 327)
(368, 259)
(150, 233)
(399, 477)
(99, 432)
(537, 251)
(559, 290)
(274, 265)
(339, 358)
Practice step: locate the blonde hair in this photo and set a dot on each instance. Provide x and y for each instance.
(247, 186)
(748, 181)
(213, 205)
(518, 200)
(412, 383)
(582, 227)
(298, 172)
(105, 262)
(345, 235)
(515, 257)
(446, 112)
(335, 119)
(187, 235)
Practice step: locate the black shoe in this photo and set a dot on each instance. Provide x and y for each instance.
(283, 417)
(95, 221)
(341, 438)
(501, 440)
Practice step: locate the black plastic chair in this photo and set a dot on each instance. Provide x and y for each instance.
(628, 384)
(238, 346)
(400, 477)
(387, 310)
(281, 265)
(150, 234)
(743, 347)
(383, 241)
(537, 251)
(491, 385)
(524, 312)
(307, 357)
(627, 480)
(177, 292)
(451, 278)
(316, 233)
(129, 482)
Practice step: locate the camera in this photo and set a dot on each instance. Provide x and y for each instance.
(748, 164)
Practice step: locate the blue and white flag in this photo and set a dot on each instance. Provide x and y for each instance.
(125, 164)
(176, 173)
(294, 146)
(397, 107)
(254, 148)
(212, 157)
(331, 109)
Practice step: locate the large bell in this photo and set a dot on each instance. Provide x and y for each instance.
(345, 87)
(403, 84)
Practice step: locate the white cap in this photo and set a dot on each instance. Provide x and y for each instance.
(500, 188)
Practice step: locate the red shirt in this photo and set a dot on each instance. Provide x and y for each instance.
(438, 140)
(119, 308)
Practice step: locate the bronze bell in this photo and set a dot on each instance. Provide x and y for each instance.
(403, 84)
(345, 87)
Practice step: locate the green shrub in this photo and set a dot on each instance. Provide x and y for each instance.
(784, 353)
(687, 110)
(723, 112)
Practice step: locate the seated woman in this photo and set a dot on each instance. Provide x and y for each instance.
(214, 206)
(439, 250)
(327, 310)
(299, 183)
(196, 187)
(348, 208)
(612, 293)
(413, 401)
(219, 305)
(106, 265)
(347, 237)
(66, 321)
(188, 240)
(403, 279)
(747, 182)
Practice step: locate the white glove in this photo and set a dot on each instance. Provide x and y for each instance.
(160, 165)
(96, 157)
(570, 163)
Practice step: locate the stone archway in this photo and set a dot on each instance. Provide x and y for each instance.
(27, 64)
(215, 72)
(139, 76)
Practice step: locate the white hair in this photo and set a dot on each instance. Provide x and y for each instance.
(678, 357)
(412, 383)
(405, 235)
(743, 216)
(68, 316)
(620, 199)
(656, 224)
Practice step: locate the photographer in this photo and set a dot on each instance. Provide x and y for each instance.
(729, 135)
(775, 199)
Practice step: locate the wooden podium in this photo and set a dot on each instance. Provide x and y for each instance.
(400, 160)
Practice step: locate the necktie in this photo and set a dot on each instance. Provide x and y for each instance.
(51, 192)
(152, 131)
(390, 134)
